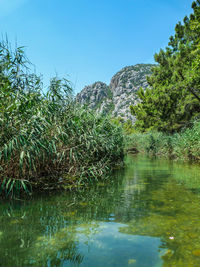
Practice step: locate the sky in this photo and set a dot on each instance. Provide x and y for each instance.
(89, 40)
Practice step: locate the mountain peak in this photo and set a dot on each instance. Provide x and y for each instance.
(116, 98)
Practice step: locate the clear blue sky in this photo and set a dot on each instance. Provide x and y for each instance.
(90, 40)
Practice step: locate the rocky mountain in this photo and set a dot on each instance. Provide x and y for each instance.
(116, 98)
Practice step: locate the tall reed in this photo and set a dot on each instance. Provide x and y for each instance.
(46, 139)
(184, 145)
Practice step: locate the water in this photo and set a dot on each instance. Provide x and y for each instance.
(147, 215)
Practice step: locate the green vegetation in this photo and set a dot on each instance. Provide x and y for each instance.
(109, 93)
(46, 140)
(184, 145)
(173, 98)
(127, 126)
(167, 116)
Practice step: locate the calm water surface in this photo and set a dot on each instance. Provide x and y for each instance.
(147, 215)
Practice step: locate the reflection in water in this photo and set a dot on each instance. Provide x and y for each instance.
(147, 215)
(174, 217)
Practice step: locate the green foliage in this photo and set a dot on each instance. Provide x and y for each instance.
(127, 126)
(184, 145)
(173, 98)
(13, 187)
(44, 136)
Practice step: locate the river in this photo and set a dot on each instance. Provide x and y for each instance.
(147, 214)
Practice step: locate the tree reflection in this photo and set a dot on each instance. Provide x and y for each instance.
(173, 216)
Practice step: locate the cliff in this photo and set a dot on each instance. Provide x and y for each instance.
(116, 98)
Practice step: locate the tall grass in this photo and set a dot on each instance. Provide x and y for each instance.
(184, 145)
(46, 140)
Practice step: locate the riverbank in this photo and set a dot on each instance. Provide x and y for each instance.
(184, 145)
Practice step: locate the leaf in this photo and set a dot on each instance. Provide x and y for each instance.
(21, 160)
(11, 187)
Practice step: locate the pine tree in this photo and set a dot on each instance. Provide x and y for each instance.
(173, 97)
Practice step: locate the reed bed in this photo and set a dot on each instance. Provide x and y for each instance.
(184, 145)
(46, 139)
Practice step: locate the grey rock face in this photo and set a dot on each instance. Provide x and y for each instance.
(116, 98)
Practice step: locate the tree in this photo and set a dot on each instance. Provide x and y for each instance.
(173, 96)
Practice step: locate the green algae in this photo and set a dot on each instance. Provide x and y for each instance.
(131, 261)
